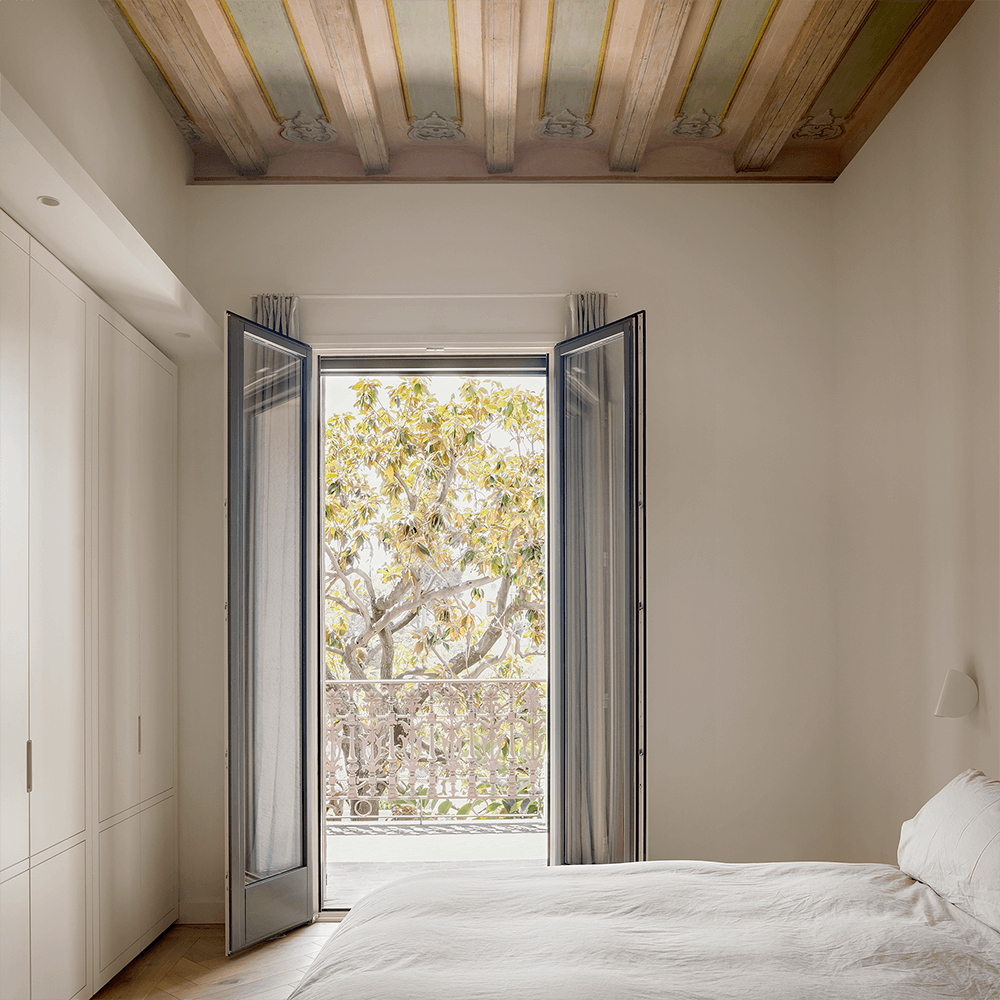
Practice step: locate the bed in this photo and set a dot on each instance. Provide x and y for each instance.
(683, 930)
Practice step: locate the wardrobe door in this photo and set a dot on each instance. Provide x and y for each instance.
(13, 556)
(119, 901)
(156, 512)
(158, 861)
(59, 925)
(119, 573)
(15, 938)
(57, 387)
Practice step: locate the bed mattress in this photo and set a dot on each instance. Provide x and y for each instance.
(677, 930)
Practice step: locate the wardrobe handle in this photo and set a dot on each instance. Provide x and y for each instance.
(140, 734)
(27, 765)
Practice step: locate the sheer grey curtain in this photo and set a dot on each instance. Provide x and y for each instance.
(273, 504)
(598, 771)
(587, 311)
(276, 312)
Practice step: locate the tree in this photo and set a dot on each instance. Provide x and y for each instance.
(434, 534)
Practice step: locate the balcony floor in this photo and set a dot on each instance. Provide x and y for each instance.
(362, 856)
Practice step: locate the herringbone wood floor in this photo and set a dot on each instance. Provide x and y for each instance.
(188, 962)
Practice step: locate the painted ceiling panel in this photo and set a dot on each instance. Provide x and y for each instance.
(266, 75)
(728, 47)
(875, 43)
(577, 36)
(152, 71)
(427, 52)
(264, 32)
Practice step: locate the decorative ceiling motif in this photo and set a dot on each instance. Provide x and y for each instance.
(822, 126)
(287, 91)
(565, 125)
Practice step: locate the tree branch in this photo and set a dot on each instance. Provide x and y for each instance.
(350, 658)
(404, 582)
(388, 653)
(449, 477)
(361, 609)
(406, 489)
(343, 604)
(406, 621)
(490, 661)
(461, 662)
(426, 598)
(512, 537)
(369, 586)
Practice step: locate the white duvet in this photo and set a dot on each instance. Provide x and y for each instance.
(674, 929)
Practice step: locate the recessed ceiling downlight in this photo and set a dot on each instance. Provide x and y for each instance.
(47, 199)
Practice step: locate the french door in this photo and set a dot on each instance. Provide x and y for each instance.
(598, 581)
(596, 796)
(271, 870)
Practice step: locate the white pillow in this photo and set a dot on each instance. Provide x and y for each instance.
(953, 845)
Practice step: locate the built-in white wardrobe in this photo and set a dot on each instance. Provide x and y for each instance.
(88, 842)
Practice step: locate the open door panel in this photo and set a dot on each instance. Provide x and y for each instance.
(271, 867)
(598, 580)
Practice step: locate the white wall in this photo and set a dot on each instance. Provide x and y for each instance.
(915, 287)
(735, 281)
(65, 58)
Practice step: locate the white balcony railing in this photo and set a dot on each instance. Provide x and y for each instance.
(435, 747)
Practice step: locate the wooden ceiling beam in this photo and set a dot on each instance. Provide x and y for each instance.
(656, 44)
(173, 36)
(931, 29)
(501, 42)
(825, 35)
(338, 22)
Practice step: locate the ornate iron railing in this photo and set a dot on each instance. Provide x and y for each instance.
(435, 747)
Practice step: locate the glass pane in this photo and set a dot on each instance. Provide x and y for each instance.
(273, 637)
(598, 631)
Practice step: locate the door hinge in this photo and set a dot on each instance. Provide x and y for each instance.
(27, 765)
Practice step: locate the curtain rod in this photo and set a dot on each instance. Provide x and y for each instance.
(456, 295)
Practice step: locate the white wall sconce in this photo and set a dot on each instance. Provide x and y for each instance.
(958, 696)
